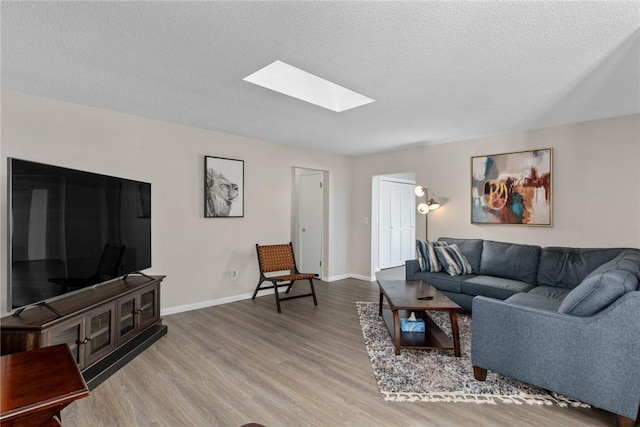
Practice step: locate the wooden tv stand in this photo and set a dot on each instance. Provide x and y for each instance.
(105, 326)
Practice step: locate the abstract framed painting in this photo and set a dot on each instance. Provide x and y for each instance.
(512, 188)
(223, 187)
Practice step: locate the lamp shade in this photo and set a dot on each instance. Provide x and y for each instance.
(433, 205)
(420, 190)
(423, 208)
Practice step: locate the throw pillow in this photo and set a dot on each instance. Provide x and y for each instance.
(427, 257)
(595, 293)
(452, 260)
(423, 255)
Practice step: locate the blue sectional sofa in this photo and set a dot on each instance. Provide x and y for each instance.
(563, 319)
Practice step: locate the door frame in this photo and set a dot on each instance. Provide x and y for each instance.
(295, 216)
(405, 178)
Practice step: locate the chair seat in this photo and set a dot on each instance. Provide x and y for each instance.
(288, 277)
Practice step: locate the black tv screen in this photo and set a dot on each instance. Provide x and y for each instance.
(70, 229)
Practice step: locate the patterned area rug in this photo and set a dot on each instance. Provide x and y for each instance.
(437, 375)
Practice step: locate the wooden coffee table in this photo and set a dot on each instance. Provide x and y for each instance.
(402, 297)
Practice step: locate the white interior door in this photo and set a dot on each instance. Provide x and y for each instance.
(408, 223)
(384, 242)
(397, 223)
(310, 260)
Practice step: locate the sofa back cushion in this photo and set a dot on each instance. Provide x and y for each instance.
(627, 260)
(567, 267)
(470, 248)
(597, 292)
(510, 261)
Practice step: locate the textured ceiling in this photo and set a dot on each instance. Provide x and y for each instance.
(439, 71)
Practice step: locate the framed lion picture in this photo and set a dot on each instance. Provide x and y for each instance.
(223, 187)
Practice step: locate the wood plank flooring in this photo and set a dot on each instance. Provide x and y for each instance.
(243, 362)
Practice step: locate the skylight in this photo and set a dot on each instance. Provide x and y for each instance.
(294, 82)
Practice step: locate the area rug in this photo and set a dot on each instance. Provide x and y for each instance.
(437, 375)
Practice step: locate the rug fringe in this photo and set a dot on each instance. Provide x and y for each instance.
(490, 399)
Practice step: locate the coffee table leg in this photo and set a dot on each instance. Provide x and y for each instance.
(396, 327)
(456, 333)
(380, 309)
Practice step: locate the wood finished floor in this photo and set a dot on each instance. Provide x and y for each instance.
(243, 362)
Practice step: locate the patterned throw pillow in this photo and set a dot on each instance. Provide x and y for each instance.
(421, 249)
(427, 256)
(452, 260)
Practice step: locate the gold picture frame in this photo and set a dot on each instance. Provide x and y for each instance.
(512, 188)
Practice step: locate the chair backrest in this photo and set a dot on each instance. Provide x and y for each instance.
(276, 258)
(109, 265)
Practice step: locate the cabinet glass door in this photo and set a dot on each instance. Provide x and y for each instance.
(126, 319)
(69, 334)
(99, 333)
(148, 307)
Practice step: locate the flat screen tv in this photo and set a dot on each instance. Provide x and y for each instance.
(70, 229)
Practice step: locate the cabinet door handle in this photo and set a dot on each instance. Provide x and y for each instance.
(138, 311)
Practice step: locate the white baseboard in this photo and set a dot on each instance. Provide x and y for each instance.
(210, 303)
(361, 277)
(350, 276)
(338, 277)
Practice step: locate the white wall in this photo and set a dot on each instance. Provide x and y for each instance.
(197, 254)
(596, 189)
(596, 196)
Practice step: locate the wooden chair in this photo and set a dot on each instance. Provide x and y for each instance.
(279, 258)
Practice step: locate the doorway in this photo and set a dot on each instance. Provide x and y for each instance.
(309, 220)
(393, 232)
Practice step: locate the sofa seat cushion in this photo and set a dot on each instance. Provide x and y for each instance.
(535, 301)
(443, 281)
(597, 292)
(551, 292)
(494, 287)
(510, 261)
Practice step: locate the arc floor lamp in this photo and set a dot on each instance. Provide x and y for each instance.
(425, 208)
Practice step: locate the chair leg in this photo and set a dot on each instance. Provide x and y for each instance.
(313, 292)
(275, 291)
(290, 286)
(257, 289)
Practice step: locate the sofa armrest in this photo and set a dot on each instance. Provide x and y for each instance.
(411, 267)
(592, 359)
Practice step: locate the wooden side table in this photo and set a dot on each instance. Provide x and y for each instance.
(37, 385)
